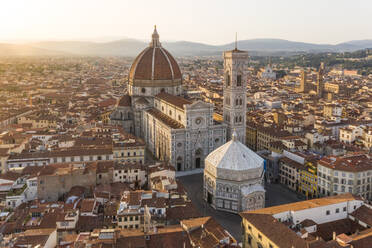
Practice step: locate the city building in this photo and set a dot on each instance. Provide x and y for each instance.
(174, 128)
(313, 223)
(268, 73)
(348, 173)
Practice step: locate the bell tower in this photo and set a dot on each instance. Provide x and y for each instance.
(319, 81)
(234, 92)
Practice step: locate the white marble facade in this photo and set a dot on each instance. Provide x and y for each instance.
(183, 136)
(174, 128)
(234, 92)
(233, 178)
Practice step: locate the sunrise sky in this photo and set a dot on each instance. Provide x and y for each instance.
(213, 22)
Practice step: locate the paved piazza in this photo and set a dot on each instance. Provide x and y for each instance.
(276, 194)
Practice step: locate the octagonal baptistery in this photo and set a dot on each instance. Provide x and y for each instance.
(154, 71)
(233, 178)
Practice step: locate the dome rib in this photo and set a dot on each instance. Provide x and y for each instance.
(153, 64)
(136, 62)
(170, 65)
(154, 67)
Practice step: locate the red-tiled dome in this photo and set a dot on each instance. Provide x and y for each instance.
(155, 63)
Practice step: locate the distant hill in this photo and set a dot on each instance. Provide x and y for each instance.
(131, 47)
(26, 50)
(126, 47)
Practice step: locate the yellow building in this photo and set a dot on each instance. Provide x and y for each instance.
(130, 219)
(309, 180)
(294, 225)
(251, 136)
(105, 117)
(279, 118)
(3, 158)
(266, 135)
(38, 121)
(129, 150)
(264, 231)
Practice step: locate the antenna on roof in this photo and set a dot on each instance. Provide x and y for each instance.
(236, 40)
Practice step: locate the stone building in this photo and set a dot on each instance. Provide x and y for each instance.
(55, 181)
(233, 178)
(268, 73)
(319, 81)
(182, 132)
(124, 114)
(345, 174)
(174, 128)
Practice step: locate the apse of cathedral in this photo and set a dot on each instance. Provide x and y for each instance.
(174, 128)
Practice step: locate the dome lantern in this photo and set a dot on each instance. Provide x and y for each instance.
(155, 39)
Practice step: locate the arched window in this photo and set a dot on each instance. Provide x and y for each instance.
(241, 101)
(143, 90)
(240, 118)
(237, 102)
(228, 79)
(239, 80)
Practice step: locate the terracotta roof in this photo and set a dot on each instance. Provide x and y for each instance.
(307, 223)
(115, 190)
(353, 163)
(297, 206)
(76, 151)
(88, 223)
(362, 239)
(170, 236)
(325, 230)
(165, 119)
(363, 214)
(132, 198)
(154, 63)
(292, 163)
(87, 205)
(276, 231)
(142, 100)
(125, 101)
(155, 202)
(206, 232)
(172, 99)
(182, 212)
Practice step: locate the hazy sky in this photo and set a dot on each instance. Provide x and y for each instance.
(209, 21)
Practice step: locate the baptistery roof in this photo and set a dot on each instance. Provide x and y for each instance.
(154, 64)
(234, 156)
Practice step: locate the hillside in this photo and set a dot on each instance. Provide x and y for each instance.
(131, 47)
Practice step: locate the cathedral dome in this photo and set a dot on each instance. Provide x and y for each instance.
(234, 156)
(155, 66)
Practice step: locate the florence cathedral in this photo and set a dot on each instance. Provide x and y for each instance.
(174, 128)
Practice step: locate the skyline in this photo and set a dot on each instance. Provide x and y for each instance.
(23, 21)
